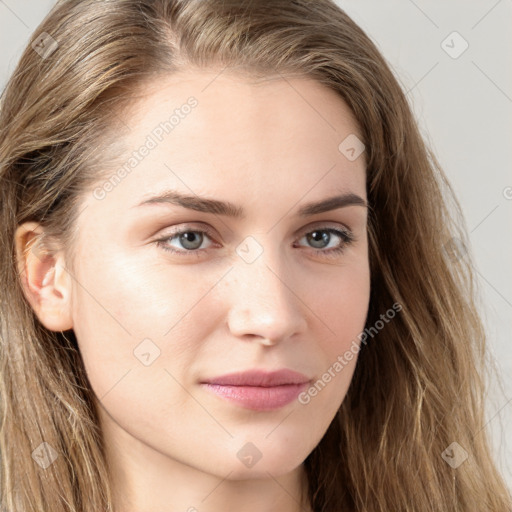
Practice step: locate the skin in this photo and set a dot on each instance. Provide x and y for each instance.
(269, 148)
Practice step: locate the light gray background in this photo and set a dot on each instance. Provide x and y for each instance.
(464, 108)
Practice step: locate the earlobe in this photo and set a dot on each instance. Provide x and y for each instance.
(46, 283)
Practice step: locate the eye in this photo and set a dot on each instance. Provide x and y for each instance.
(325, 241)
(189, 239)
(321, 238)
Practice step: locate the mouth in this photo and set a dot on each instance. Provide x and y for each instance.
(258, 390)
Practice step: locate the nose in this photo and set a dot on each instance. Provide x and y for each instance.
(264, 303)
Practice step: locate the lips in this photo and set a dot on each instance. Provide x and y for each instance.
(258, 390)
(259, 378)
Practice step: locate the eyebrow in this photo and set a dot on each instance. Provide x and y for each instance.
(217, 207)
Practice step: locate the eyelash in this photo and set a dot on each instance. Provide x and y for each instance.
(346, 236)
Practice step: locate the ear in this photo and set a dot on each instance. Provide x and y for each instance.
(46, 283)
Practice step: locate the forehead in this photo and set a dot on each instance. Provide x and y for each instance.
(220, 134)
(231, 101)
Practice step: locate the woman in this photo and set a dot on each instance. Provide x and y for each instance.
(226, 276)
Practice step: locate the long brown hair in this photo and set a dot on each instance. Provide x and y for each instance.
(419, 385)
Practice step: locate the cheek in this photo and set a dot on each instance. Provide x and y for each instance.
(342, 305)
(341, 308)
(129, 315)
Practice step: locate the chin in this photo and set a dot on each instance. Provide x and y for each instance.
(249, 462)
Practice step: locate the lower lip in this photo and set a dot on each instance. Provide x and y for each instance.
(258, 398)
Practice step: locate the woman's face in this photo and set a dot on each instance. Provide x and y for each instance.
(157, 314)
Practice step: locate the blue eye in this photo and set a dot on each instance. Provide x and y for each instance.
(191, 241)
(319, 237)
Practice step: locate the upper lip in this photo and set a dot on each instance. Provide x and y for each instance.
(259, 378)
